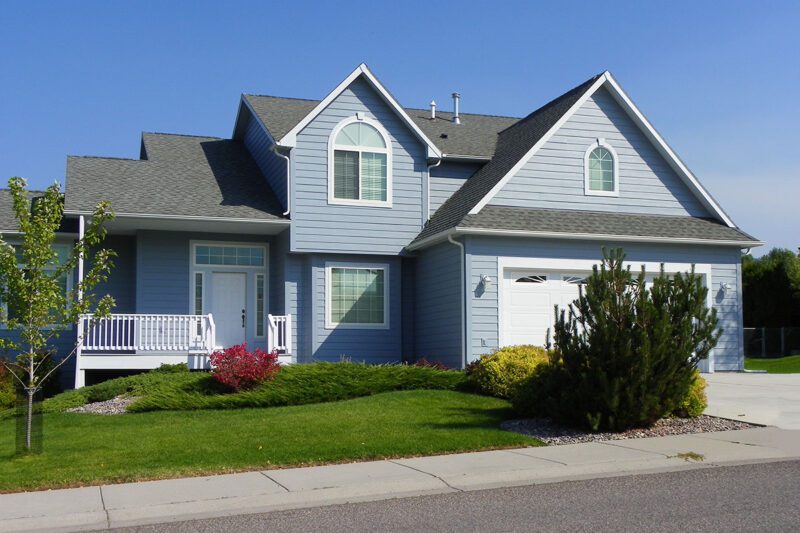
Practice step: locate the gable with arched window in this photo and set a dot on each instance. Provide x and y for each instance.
(359, 164)
(601, 170)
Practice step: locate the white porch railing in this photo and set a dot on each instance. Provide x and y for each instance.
(147, 333)
(280, 333)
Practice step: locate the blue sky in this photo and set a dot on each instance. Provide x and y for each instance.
(718, 79)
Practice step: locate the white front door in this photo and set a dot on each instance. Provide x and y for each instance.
(529, 299)
(229, 307)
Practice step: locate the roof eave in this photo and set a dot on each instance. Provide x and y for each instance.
(443, 235)
(277, 221)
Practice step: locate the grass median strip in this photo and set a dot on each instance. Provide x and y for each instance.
(81, 449)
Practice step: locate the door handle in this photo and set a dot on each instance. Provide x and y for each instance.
(243, 317)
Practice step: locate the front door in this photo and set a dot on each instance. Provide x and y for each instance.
(229, 307)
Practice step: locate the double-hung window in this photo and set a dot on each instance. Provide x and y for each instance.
(360, 163)
(357, 296)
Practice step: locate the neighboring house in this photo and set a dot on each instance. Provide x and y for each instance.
(353, 227)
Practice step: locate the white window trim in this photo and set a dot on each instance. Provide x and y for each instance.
(600, 143)
(330, 324)
(228, 244)
(332, 146)
(255, 306)
(70, 285)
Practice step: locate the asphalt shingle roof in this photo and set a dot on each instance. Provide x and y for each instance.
(8, 222)
(182, 175)
(513, 144)
(475, 136)
(602, 223)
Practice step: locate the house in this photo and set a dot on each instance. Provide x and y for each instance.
(354, 227)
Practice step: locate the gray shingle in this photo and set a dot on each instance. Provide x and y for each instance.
(183, 175)
(8, 222)
(601, 223)
(475, 136)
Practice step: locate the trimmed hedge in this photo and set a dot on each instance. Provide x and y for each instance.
(500, 372)
(294, 385)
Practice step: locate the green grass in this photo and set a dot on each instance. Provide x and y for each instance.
(82, 449)
(782, 365)
(294, 385)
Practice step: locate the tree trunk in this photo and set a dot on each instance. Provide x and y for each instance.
(29, 421)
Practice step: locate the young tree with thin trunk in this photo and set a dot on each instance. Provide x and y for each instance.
(38, 306)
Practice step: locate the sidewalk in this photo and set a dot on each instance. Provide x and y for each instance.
(251, 492)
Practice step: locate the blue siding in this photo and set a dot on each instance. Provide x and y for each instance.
(446, 179)
(554, 177)
(438, 304)
(368, 345)
(319, 227)
(725, 267)
(258, 143)
(121, 283)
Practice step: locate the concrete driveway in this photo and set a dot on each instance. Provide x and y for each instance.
(769, 399)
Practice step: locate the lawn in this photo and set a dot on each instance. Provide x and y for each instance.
(782, 365)
(82, 449)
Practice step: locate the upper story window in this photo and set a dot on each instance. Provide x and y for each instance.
(601, 170)
(359, 164)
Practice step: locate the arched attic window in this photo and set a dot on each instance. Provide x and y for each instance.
(601, 170)
(359, 164)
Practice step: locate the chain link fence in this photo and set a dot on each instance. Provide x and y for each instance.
(771, 342)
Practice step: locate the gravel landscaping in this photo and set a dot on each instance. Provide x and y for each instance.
(553, 434)
(114, 406)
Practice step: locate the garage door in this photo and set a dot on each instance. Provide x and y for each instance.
(528, 300)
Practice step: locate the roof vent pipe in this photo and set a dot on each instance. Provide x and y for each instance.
(456, 101)
(433, 109)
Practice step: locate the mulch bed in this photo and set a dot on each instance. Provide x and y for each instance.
(553, 434)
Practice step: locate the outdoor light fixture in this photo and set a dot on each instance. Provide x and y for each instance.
(724, 287)
(486, 280)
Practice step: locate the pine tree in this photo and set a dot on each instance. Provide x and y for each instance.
(624, 352)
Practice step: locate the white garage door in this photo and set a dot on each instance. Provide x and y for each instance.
(528, 300)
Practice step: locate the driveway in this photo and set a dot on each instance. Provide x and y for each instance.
(769, 399)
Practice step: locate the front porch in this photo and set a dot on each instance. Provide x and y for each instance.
(147, 341)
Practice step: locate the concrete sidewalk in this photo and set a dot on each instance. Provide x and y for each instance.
(252, 492)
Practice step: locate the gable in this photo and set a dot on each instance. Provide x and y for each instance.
(554, 175)
(319, 225)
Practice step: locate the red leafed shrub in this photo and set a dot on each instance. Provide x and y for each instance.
(240, 369)
(430, 364)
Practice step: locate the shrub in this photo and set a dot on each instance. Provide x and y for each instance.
(8, 388)
(425, 363)
(172, 369)
(239, 369)
(626, 352)
(498, 373)
(695, 401)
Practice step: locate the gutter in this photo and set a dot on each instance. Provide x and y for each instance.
(445, 235)
(278, 221)
(463, 291)
(275, 151)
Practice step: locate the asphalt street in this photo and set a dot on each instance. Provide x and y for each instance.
(757, 497)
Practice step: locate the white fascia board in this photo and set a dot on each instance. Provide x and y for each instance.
(290, 139)
(433, 239)
(535, 148)
(664, 149)
(280, 221)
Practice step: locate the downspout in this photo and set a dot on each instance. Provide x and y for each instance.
(275, 151)
(463, 261)
(428, 192)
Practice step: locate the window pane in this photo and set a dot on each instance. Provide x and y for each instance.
(198, 293)
(373, 176)
(357, 296)
(349, 136)
(260, 305)
(370, 137)
(345, 175)
(601, 170)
